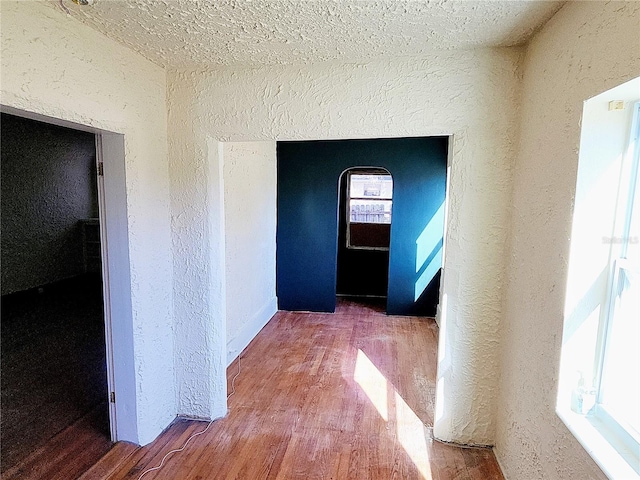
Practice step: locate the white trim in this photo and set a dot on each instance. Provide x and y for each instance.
(250, 329)
(114, 235)
(50, 120)
(623, 440)
(502, 470)
(608, 442)
(362, 171)
(587, 431)
(619, 434)
(439, 307)
(634, 139)
(121, 372)
(106, 294)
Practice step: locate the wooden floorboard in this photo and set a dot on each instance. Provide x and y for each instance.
(55, 420)
(321, 396)
(107, 465)
(68, 454)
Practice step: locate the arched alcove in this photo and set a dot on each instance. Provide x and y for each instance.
(364, 232)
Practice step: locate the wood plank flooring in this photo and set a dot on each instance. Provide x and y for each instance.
(348, 395)
(67, 454)
(53, 379)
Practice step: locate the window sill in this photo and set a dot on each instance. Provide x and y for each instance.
(588, 432)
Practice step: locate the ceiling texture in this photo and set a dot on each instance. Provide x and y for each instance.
(206, 34)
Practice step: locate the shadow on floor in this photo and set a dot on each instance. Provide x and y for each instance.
(360, 305)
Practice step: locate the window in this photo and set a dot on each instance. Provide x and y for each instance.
(370, 198)
(599, 386)
(617, 402)
(369, 210)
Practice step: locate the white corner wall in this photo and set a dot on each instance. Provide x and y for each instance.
(250, 243)
(53, 65)
(586, 48)
(472, 95)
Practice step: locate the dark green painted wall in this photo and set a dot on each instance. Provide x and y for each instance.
(307, 240)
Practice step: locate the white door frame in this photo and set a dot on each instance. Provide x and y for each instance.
(114, 236)
(118, 314)
(106, 294)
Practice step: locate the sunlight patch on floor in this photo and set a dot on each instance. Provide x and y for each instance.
(410, 431)
(372, 382)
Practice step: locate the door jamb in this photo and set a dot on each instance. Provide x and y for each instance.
(112, 213)
(106, 294)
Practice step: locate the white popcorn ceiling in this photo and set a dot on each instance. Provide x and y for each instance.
(191, 33)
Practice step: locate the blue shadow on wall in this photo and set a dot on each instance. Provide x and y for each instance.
(307, 219)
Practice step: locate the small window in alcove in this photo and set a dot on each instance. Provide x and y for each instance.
(369, 210)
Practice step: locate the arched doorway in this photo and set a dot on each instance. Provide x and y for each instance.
(364, 232)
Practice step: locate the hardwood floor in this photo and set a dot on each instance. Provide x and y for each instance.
(69, 453)
(319, 396)
(53, 381)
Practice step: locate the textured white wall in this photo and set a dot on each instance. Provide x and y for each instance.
(472, 95)
(55, 66)
(587, 48)
(198, 246)
(250, 230)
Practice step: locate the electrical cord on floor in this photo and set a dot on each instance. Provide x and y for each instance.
(64, 7)
(233, 390)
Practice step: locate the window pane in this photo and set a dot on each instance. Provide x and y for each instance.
(370, 211)
(632, 247)
(371, 186)
(620, 390)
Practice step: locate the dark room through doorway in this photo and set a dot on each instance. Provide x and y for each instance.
(54, 374)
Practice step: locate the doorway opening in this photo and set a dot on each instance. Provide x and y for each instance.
(54, 355)
(364, 235)
(307, 243)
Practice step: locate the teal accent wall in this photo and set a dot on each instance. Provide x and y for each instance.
(307, 219)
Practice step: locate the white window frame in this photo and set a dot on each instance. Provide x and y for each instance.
(613, 446)
(363, 171)
(618, 434)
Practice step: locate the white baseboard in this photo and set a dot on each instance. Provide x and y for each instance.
(499, 463)
(249, 330)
